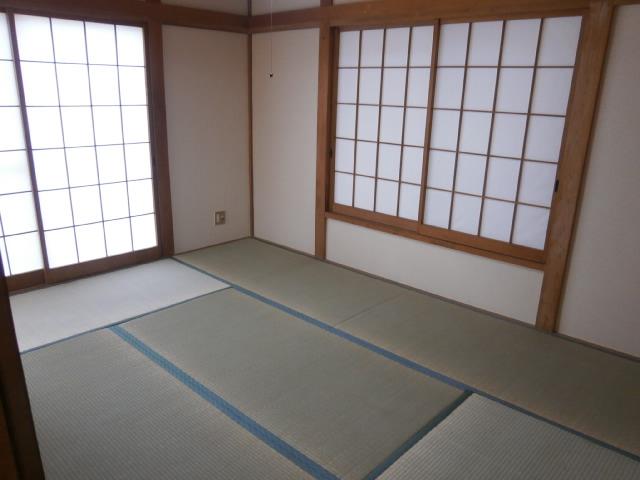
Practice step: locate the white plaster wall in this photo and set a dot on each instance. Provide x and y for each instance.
(259, 7)
(239, 7)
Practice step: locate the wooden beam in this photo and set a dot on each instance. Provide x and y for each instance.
(132, 11)
(580, 119)
(14, 397)
(325, 104)
(250, 93)
(7, 455)
(388, 12)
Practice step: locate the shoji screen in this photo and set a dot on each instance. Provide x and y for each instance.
(19, 239)
(488, 143)
(86, 101)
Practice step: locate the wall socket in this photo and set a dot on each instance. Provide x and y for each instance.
(220, 217)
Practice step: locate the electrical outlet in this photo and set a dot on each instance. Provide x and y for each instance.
(220, 217)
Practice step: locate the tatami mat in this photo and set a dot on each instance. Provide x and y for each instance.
(49, 314)
(339, 404)
(574, 385)
(104, 411)
(483, 440)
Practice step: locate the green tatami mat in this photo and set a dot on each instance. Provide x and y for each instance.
(483, 440)
(326, 292)
(104, 411)
(577, 386)
(339, 404)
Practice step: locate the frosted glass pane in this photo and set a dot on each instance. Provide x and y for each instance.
(448, 93)
(520, 42)
(133, 86)
(393, 86)
(130, 45)
(90, 240)
(366, 158)
(436, 211)
(421, 46)
(387, 197)
(415, 124)
(389, 161)
(18, 213)
(118, 234)
(77, 124)
(371, 55)
(391, 125)
(56, 209)
(470, 175)
(502, 178)
(114, 201)
(107, 126)
(466, 214)
(530, 228)
(11, 134)
(368, 123)
(138, 159)
(480, 88)
(61, 247)
(412, 164)
(440, 171)
(24, 253)
(104, 85)
(496, 220)
(3, 250)
(86, 205)
(73, 84)
(349, 49)
(508, 135)
(409, 201)
(559, 41)
(111, 166)
(101, 43)
(484, 48)
(51, 169)
(14, 172)
(34, 38)
(5, 42)
(514, 90)
(40, 87)
(347, 85)
(537, 183)
(45, 129)
(544, 139)
(444, 131)
(68, 40)
(8, 86)
(396, 47)
(453, 44)
(346, 121)
(344, 155)
(370, 85)
(364, 193)
(551, 90)
(474, 135)
(141, 197)
(144, 232)
(343, 189)
(418, 87)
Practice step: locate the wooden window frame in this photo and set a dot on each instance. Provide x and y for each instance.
(156, 111)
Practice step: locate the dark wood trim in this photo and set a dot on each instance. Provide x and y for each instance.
(159, 141)
(26, 280)
(414, 235)
(134, 11)
(404, 12)
(7, 455)
(324, 134)
(14, 397)
(577, 140)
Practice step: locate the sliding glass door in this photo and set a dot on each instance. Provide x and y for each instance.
(75, 157)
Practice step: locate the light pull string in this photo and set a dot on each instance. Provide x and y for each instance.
(271, 39)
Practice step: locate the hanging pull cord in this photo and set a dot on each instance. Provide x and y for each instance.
(271, 39)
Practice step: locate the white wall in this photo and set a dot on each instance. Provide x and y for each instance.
(284, 137)
(602, 296)
(206, 83)
(259, 7)
(239, 7)
(498, 287)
